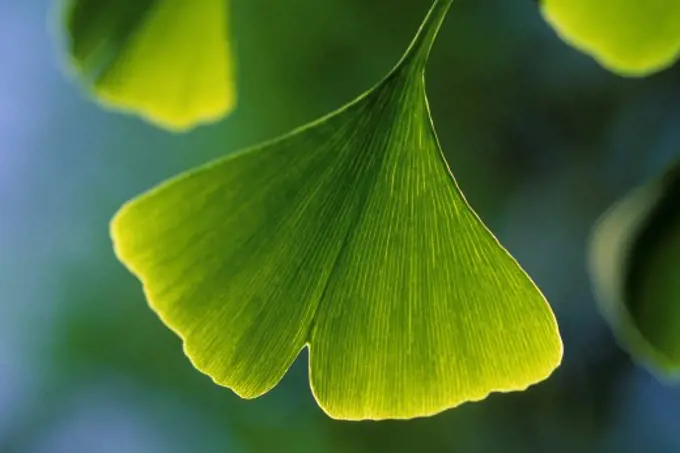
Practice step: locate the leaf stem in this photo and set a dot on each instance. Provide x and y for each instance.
(418, 52)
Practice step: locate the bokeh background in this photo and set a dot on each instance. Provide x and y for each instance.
(541, 139)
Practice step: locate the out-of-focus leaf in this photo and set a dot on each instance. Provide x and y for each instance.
(635, 262)
(351, 237)
(166, 60)
(630, 37)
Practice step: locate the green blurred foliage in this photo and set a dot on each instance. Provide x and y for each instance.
(630, 37)
(635, 262)
(168, 61)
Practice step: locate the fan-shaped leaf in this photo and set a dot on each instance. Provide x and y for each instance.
(635, 264)
(348, 236)
(630, 37)
(167, 60)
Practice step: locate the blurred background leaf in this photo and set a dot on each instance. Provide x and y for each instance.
(169, 61)
(540, 137)
(630, 37)
(635, 262)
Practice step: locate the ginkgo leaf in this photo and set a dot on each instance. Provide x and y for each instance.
(635, 259)
(166, 60)
(348, 236)
(630, 37)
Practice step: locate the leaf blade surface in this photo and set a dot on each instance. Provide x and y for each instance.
(351, 237)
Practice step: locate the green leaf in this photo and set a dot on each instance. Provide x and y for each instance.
(635, 258)
(629, 37)
(348, 236)
(166, 60)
